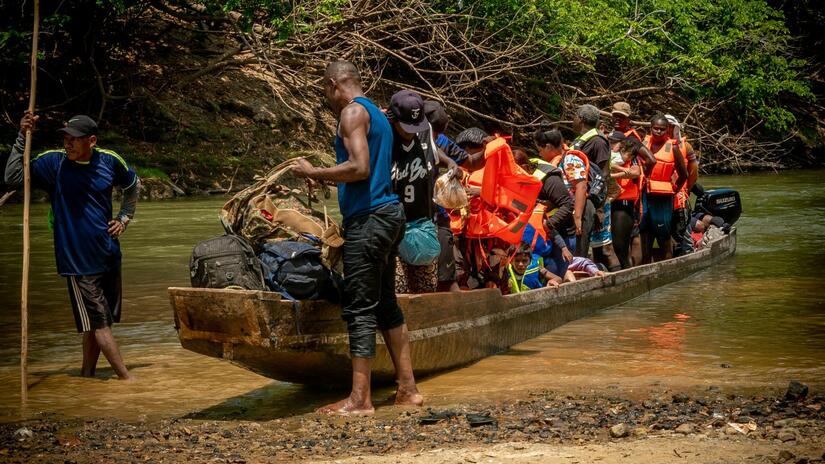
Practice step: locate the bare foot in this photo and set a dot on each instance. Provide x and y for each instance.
(347, 407)
(409, 397)
(128, 378)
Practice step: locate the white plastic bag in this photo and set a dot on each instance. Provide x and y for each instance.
(449, 193)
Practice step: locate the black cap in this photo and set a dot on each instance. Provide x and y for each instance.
(80, 126)
(436, 115)
(407, 108)
(616, 136)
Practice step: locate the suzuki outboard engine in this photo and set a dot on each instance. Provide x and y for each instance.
(722, 202)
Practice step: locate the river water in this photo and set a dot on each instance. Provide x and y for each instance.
(756, 320)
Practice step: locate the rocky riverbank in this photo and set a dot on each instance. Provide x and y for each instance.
(704, 426)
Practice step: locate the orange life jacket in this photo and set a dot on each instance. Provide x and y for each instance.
(508, 196)
(660, 181)
(632, 131)
(630, 188)
(680, 201)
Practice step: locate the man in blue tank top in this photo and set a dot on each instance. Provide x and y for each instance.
(373, 227)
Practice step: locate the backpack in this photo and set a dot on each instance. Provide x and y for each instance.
(225, 261)
(596, 186)
(295, 270)
(596, 182)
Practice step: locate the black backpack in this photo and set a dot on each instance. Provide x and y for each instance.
(295, 270)
(596, 186)
(596, 182)
(225, 261)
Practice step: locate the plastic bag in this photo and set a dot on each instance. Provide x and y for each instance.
(449, 193)
(420, 245)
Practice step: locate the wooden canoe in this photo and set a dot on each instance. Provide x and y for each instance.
(307, 342)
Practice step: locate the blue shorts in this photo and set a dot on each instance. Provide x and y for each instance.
(657, 216)
(601, 237)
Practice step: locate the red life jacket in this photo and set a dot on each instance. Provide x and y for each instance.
(631, 190)
(508, 196)
(660, 181)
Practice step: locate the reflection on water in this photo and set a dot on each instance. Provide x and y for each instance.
(757, 319)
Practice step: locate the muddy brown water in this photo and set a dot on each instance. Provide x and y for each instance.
(756, 320)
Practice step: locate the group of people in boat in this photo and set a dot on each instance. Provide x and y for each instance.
(607, 200)
(533, 218)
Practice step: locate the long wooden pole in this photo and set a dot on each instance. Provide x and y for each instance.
(24, 289)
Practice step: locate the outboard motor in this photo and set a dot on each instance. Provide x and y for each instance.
(722, 202)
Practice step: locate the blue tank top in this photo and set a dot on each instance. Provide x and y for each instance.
(365, 196)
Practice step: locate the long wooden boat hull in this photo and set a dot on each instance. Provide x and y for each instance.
(306, 342)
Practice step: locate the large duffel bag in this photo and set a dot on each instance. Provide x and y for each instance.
(295, 270)
(225, 261)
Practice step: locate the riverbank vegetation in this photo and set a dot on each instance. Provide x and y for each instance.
(212, 92)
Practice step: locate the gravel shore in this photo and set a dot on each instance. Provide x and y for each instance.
(706, 426)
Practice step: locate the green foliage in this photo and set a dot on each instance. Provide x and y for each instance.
(709, 48)
(150, 173)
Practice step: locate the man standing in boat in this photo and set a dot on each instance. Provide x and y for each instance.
(79, 180)
(373, 227)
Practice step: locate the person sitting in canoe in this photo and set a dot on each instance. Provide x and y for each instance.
(526, 271)
(373, 221)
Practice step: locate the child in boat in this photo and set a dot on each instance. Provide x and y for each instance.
(580, 264)
(526, 271)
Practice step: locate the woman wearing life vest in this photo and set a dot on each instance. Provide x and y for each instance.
(657, 197)
(624, 209)
(561, 186)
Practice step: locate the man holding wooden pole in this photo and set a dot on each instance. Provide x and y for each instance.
(79, 180)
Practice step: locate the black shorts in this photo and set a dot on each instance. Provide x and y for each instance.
(446, 259)
(96, 300)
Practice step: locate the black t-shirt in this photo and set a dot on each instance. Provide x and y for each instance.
(554, 195)
(597, 150)
(413, 174)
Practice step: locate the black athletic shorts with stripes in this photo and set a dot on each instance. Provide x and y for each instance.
(95, 300)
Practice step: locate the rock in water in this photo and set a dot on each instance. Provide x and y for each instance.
(619, 430)
(796, 391)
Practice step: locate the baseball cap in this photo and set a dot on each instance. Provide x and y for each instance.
(622, 108)
(616, 136)
(407, 108)
(436, 115)
(80, 126)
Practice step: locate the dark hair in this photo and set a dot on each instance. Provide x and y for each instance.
(520, 155)
(546, 136)
(632, 145)
(657, 118)
(471, 138)
(343, 71)
(436, 115)
(524, 248)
